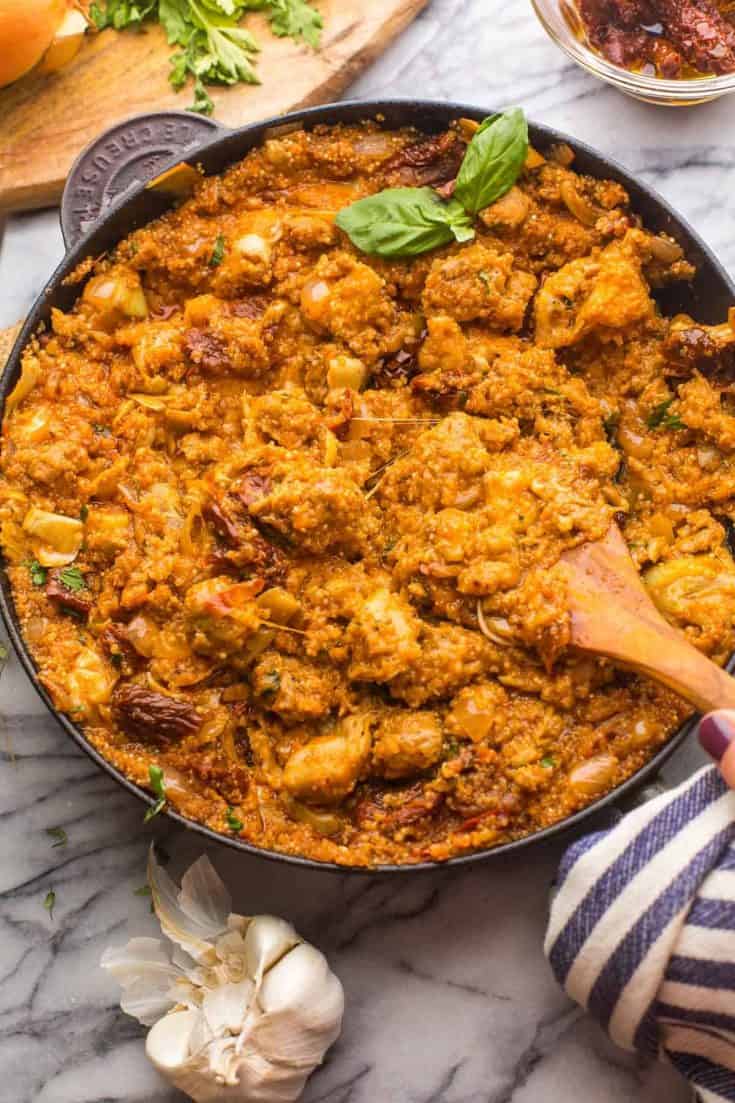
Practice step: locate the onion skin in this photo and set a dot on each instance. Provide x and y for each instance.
(27, 28)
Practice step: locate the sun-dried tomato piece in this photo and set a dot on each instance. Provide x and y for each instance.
(253, 486)
(397, 370)
(143, 714)
(221, 522)
(252, 307)
(206, 350)
(428, 162)
(115, 641)
(417, 805)
(694, 349)
(340, 416)
(66, 598)
(246, 543)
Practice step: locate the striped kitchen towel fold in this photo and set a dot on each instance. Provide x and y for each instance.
(642, 931)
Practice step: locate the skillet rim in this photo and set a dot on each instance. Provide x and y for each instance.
(226, 147)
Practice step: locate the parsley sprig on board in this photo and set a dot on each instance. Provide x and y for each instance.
(214, 47)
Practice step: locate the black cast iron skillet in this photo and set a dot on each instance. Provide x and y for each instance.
(105, 199)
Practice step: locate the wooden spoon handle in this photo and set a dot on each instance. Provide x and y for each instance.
(653, 647)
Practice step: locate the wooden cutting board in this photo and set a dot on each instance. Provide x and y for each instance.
(46, 120)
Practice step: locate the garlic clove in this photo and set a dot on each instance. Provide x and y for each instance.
(168, 1042)
(226, 1006)
(145, 974)
(189, 921)
(256, 1077)
(302, 1003)
(268, 938)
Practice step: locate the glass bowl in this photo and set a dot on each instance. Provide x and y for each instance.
(559, 18)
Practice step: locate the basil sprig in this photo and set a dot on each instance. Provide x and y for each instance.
(493, 160)
(405, 222)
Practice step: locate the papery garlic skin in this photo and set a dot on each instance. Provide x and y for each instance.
(241, 1009)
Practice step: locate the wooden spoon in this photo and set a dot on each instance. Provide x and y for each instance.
(613, 615)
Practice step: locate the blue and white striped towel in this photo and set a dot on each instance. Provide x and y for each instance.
(642, 931)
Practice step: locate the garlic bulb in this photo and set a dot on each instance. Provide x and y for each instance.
(241, 1009)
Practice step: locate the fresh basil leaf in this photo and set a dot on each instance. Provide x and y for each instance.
(493, 161)
(404, 222)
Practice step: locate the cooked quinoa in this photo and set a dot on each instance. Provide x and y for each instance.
(285, 520)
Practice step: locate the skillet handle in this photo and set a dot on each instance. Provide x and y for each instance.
(128, 154)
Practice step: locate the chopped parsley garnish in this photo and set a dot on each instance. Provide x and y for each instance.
(155, 777)
(49, 902)
(610, 425)
(451, 748)
(218, 252)
(102, 430)
(548, 762)
(38, 573)
(233, 822)
(84, 513)
(660, 418)
(59, 834)
(116, 659)
(72, 578)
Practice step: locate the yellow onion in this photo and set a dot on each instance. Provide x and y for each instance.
(36, 30)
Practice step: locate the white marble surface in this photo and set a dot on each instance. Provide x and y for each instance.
(449, 998)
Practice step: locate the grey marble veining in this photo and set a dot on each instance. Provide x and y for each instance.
(449, 999)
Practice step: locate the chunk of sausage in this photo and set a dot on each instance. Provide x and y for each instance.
(316, 508)
(295, 689)
(479, 283)
(406, 743)
(383, 638)
(327, 769)
(601, 294)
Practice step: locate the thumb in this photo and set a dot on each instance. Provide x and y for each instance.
(717, 736)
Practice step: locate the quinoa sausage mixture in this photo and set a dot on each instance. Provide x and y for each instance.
(283, 520)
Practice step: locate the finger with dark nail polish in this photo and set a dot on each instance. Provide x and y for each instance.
(716, 734)
(717, 737)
